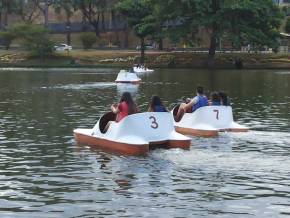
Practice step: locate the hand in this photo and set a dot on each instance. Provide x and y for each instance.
(113, 106)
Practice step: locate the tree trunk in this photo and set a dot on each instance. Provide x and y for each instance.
(95, 24)
(84, 21)
(5, 18)
(103, 22)
(68, 30)
(46, 13)
(126, 37)
(215, 5)
(1, 20)
(160, 44)
(142, 59)
(212, 50)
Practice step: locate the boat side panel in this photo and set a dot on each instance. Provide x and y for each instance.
(185, 144)
(196, 132)
(122, 148)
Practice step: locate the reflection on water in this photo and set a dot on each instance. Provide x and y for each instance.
(45, 174)
(100, 85)
(124, 87)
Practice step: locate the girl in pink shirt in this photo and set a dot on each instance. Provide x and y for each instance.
(125, 107)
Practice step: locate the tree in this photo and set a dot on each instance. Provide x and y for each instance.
(94, 12)
(138, 16)
(88, 40)
(287, 25)
(43, 6)
(255, 21)
(34, 38)
(28, 11)
(68, 7)
(7, 38)
(8, 7)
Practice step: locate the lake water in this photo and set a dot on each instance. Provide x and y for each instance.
(43, 173)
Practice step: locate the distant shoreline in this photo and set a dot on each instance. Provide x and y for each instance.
(154, 59)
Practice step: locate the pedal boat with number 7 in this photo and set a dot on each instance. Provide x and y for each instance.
(133, 135)
(207, 121)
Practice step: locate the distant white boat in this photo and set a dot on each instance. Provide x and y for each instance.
(127, 77)
(142, 69)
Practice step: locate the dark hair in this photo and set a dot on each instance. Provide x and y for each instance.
(155, 101)
(215, 97)
(224, 98)
(199, 90)
(132, 108)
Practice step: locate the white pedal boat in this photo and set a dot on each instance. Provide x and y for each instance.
(134, 134)
(127, 77)
(142, 70)
(207, 121)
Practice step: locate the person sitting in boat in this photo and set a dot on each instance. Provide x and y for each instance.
(225, 100)
(125, 107)
(200, 100)
(215, 99)
(156, 105)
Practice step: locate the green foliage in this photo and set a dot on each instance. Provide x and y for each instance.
(285, 10)
(7, 38)
(138, 16)
(254, 21)
(94, 11)
(34, 38)
(88, 40)
(166, 59)
(287, 25)
(10, 6)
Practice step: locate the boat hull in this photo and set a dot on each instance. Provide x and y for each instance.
(131, 82)
(196, 132)
(135, 134)
(111, 146)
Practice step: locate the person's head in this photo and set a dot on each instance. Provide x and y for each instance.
(127, 97)
(199, 90)
(155, 100)
(224, 98)
(215, 97)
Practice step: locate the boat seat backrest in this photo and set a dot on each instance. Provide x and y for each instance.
(175, 110)
(218, 116)
(150, 125)
(110, 116)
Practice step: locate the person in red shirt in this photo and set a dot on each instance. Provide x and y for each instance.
(125, 107)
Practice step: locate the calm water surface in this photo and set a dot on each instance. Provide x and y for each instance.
(43, 173)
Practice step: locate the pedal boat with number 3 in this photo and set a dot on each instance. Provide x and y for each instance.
(207, 121)
(134, 134)
(127, 77)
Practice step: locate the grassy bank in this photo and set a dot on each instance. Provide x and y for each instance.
(126, 58)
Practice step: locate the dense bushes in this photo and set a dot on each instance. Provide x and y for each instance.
(34, 38)
(166, 59)
(7, 38)
(88, 40)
